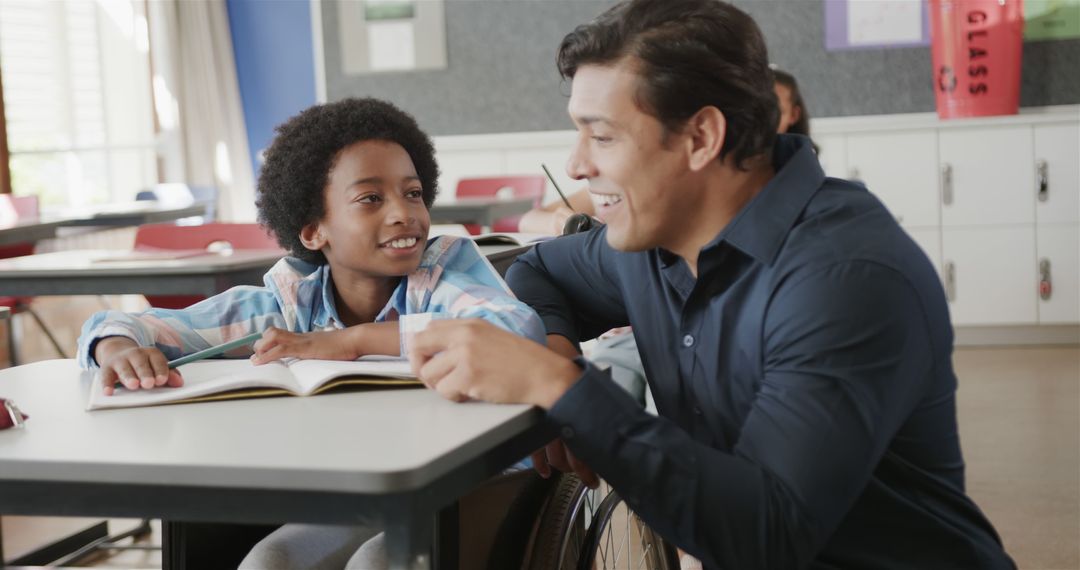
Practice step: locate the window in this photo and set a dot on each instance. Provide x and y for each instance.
(77, 99)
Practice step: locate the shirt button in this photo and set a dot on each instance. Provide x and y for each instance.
(688, 340)
(567, 432)
(697, 411)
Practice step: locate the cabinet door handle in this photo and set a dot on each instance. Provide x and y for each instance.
(1042, 180)
(1046, 284)
(946, 185)
(950, 281)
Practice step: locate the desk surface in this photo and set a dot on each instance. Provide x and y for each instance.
(35, 229)
(358, 442)
(123, 214)
(117, 272)
(390, 458)
(482, 211)
(28, 230)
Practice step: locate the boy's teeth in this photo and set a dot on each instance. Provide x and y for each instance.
(403, 243)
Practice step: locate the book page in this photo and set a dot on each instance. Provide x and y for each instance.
(311, 374)
(202, 378)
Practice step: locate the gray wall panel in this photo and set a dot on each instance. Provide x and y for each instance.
(501, 74)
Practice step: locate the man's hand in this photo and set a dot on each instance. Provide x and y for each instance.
(556, 455)
(473, 359)
(134, 366)
(276, 344)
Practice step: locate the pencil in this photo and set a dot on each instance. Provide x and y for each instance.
(215, 350)
(556, 185)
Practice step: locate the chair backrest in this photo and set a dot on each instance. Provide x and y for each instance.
(169, 236)
(527, 186)
(16, 207)
(12, 209)
(238, 236)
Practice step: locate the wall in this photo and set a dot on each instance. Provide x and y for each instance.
(501, 75)
(274, 64)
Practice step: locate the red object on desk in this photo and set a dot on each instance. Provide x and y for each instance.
(10, 416)
(157, 237)
(530, 186)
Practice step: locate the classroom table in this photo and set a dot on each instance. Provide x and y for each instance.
(391, 458)
(123, 214)
(33, 229)
(28, 230)
(480, 211)
(119, 272)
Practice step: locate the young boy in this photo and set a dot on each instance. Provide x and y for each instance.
(345, 189)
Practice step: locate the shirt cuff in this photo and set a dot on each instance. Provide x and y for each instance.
(410, 324)
(587, 414)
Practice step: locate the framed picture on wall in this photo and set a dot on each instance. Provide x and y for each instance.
(868, 24)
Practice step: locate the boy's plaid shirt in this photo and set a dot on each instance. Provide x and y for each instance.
(453, 281)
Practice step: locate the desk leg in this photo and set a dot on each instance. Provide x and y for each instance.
(408, 542)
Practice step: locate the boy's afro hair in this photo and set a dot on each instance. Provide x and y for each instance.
(298, 163)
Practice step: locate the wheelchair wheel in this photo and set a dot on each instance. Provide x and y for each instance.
(617, 538)
(560, 530)
(591, 529)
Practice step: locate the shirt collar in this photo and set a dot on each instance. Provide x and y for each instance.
(761, 227)
(329, 314)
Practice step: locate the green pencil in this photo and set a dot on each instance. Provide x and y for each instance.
(215, 350)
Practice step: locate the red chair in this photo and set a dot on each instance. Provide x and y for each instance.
(156, 237)
(530, 186)
(12, 209)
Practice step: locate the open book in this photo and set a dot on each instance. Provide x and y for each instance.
(208, 380)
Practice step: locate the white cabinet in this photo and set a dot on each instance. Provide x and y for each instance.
(832, 154)
(901, 169)
(989, 275)
(987, 176)
(1058, 251)
(1057, 173)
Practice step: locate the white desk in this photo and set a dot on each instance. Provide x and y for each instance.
(122, 214)
(104, 272)
(480, 211)
(391, 458)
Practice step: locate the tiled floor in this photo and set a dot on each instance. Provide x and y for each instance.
(1019, 418)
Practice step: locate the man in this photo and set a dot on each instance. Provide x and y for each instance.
(796, 341)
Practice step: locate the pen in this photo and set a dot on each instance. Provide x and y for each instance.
(556, 185)
(215, 350)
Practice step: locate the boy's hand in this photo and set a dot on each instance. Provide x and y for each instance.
(276, 344)
(134, 366)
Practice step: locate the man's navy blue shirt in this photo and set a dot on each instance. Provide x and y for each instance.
(804, 383)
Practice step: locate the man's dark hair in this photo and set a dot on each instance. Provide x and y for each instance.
(298, 163)
(688, 54)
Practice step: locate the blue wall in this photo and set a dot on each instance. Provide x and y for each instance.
(274, 64)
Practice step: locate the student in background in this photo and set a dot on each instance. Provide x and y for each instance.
(345, 189)
(794, 118)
